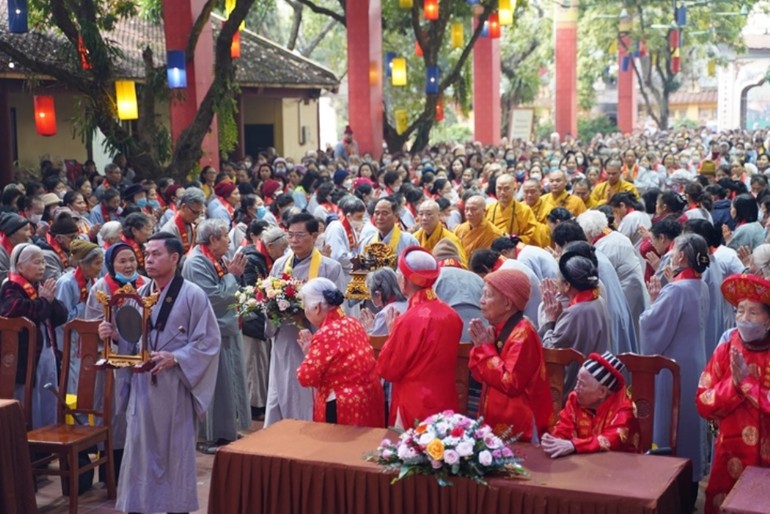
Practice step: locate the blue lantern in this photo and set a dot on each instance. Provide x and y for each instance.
(473, 2)
(17, 16)
(681, 16)
(389, 56)
(176, 69)
(485, 29)
(432, 75)
(624, 63)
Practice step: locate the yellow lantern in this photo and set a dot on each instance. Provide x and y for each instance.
(402, 121)
(712, 68)
(398, 72)
(125, 94)
(405, 4)
(505, 11)
(457, 35)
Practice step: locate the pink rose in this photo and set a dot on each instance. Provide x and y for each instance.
(451, 457)
(485, 458)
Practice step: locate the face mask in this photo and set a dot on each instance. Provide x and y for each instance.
(511, 161)
(61, 194)
(290, 166)
(385, 162)
(751, 331)
(453, 197)
(280, 169)
(35, 218)
(120, 277)
(356, 224)
(347, 184)
(520, 176)
(536, 177)
(142, 202)
(154, 204)
(261, 211)
(247, 164)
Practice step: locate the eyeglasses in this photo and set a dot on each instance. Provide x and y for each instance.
(195, 212)
(296, 235)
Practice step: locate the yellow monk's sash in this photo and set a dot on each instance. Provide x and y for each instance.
(395, 238)
(315, 264)
(428, 242)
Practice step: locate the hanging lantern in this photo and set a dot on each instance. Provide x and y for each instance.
(440, 109)
(457, 35)
(432, 74)
(405, 4)
(85, 58)
(17, 17)
(676, 61)
(398, 71)
(624, 63)
(389, 56)
(711, 67)
(235, 46)
(485, 29)
(673, 39)
(505, 12)
(125, 94)
(473, 2)
(402, 121)
(176, 69)
(494, 26)
(614, 47)
(45, 115)
(417, 49)
(680, 13)
(430, 8)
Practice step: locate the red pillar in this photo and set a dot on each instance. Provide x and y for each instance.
(626, 90)
(6, 136)
(364, 28)
(486, 91)
(179, 17)
(565, 108)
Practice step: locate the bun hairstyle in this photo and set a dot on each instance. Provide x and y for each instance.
(333, 297)
(695, 249)
(321, 291)
(579, 271)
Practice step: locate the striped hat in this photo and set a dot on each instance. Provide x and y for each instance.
(606, 369)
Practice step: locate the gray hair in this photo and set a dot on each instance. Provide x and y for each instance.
(92, 255)
(350, 204)
(613, 163)
(272, 235)
(312, 293)
(210, 228)
(695, 249)
(110, 231)
(579, 272)
(384, 281)
(593, 223)
(761, 258)
(193, 195)
(22, 253)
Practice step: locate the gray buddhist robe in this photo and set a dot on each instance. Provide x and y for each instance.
(5, 264)
(158, 470)
(230, 410)
(286, 399)
(461, 290)
(622, 333)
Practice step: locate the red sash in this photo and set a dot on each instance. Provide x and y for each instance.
(451, 263)
(585, 296)
(498, 263)
(83, 284)
(217, 265)
(182, 227)
(6, 244)
(687, 273)
(226, 204)
(29, 289)
(261, 248)
(137, 250)
(58, 249)
(348, 232)
(114, 285)
(105, 213)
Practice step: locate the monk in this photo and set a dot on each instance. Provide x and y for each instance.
(477, 232)
(510, 216)
(613, 185)
(559, 197)
(432, 231)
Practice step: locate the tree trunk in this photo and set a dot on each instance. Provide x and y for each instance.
(422, 138)
(507, 103)
(393, 139)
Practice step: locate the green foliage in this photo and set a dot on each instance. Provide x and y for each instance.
(226, 110)
(526, 48)
(685, 123)
(589, 127)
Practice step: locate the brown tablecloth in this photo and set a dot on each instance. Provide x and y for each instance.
(309, 468)
(751, 493)
(17, 491)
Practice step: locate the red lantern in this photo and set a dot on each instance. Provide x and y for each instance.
(417, 49)
(235, 46)
(494, 25)
(440, 109)
(45, 115)
(430, 7)
(85, 60)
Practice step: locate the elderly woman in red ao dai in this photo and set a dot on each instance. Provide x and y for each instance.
(339, 361)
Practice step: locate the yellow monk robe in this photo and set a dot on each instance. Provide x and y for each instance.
(439, 233)
(471, 239)
(540, 210)
(570, 202)
(603, 192)
(517, 219)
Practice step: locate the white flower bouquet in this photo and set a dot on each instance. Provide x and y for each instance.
(277, 298)
(449, 444)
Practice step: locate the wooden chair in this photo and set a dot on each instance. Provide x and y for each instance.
(462, 375)
(10, 330)
(643, 370)
(556, 362)
(64, 441)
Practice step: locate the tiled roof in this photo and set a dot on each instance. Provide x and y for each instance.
(707, 96)
(262, 63)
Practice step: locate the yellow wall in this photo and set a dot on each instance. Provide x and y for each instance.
(287, 116)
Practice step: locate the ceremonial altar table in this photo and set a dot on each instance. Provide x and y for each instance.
(312, 468)
(751, 493)
(17, 491)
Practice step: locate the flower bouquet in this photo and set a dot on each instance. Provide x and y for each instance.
(277, 298)
(449, 444)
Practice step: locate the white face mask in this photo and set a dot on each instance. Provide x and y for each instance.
(347, 184)
(61, 194)
(356, 224)
(751, 331)
(453, 197)
(35, 218)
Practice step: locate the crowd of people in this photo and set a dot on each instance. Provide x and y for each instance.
(651, 244)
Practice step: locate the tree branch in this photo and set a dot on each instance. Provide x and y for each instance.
(203, 18)
(340, 18)
(295, 24)
(61, 18)
(71, 79)
(311, 46)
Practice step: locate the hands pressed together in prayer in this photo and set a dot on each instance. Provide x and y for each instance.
(552, 307)
(303, 340)
(47, 289)
(555, 446)
(366, 317)
(652, 259)
(480, 333)
(390, 319)
(745, 255)
(237, 264)
(653, 288)
(738, 367)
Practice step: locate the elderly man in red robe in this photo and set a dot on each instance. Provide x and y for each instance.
(734, 388)
(420, 356)
(507, 358)
(599, 414)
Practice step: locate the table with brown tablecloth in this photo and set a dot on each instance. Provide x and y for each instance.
(311, 468)
(750, 494)
(17, 491)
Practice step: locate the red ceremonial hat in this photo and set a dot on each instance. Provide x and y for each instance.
(270, 187)
(737, 288)
(348, 130)
(224, 188)
(421, 277)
